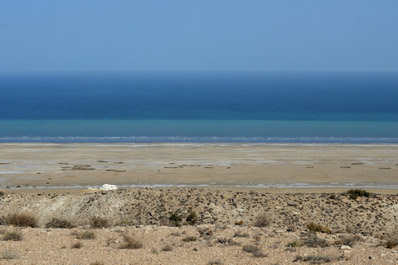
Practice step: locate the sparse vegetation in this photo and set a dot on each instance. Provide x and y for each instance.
(77, 245)
(167, 248)
(190, 239)
(214, 262)
(84, 234)
(175, 219)
(97, 263)
(294, 244)
(332, 196)
(8, 254)
(262, 221)
(313, 227)
(313, 259)
(131, 243)
(241, 234)
(22, 220)
(250, 248)
(98, 222)
(311, 240)
(355, 193)
(12, 236)
(392, 240)
(192, 218)
(348, 240)
(256, 251)
(59, 223)
(1, 193)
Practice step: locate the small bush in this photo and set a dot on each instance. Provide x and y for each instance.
(77, 245)
(313, 259)
(250, 249)
(22, 220)
(262, 221)
(355, 193)
(12, 236)
(214, 262)
(313, 227)
(392, 240)
(294, 244)
(348, 240)
(190, 239)
(1, 193)
(97, 263)
(167, 248)
(332, 196)
(98, 222)
(84, 235)
(192, 218)
(59, 223)
(175, 219)
(241, 234)
(131, 243)
(239, 223)
(311, 240)
(7, 254)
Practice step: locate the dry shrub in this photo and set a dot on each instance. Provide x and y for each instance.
(98, 222)
(241, 234)
(313, 259)
(250, 248)
(349, 240)
(392, 240)
(8, 254)
(311, 240)
(262, 221)
(12, 236)
(355, 193)
(97, 263)
(313, 227)
(84, 234)
(59, 223)
(22, 220)
(131, 243)
(167, 248)
(190, 239)
(214, 262)
(77, 245)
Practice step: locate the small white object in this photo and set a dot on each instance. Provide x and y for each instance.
(108, 187)
(345, 247)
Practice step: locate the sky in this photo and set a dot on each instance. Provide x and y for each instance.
(201, 35)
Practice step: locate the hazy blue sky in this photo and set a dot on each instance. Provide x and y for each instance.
(201, 35)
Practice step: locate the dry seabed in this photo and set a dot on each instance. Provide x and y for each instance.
(198, 226)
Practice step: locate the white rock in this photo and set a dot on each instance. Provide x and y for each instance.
(345, 247)
(108, 187)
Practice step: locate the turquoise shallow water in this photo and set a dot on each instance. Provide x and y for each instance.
(63, 131)
(199, 107)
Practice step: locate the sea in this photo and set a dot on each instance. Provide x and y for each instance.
(199, 107)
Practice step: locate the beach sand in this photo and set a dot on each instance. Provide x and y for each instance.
(240, 166)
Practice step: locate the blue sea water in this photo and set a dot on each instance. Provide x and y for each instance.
(308, 107)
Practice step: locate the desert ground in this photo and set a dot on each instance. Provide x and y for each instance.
(212, 165)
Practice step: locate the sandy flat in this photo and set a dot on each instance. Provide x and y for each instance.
(280, 166)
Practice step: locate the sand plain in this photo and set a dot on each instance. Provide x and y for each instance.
(274, 166)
